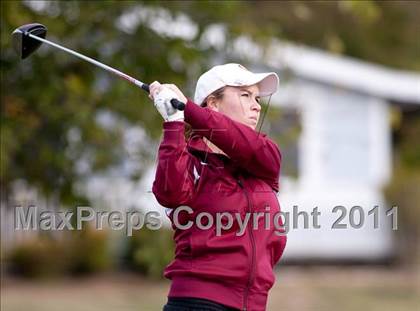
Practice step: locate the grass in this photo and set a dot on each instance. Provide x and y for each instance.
(297, 288)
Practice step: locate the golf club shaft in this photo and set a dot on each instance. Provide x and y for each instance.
(177, 104)
(140, 84)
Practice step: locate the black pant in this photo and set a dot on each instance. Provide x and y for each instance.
(194, 304)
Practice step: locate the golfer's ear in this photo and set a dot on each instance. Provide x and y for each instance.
(212, 103)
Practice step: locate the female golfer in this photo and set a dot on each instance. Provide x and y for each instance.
(220, 184)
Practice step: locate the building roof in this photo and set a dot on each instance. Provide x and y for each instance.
(352, 73)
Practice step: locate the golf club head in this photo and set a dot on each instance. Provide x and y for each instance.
(25, 45)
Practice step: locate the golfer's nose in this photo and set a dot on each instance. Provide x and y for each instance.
(255, 105)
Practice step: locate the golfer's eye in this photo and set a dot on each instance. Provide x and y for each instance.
(257, 99)
(245, 94)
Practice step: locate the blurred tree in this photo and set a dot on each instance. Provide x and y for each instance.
(52, 103)
(74, 253)
(54, 129)
(384, 32)
(149, 253)
(403, 190)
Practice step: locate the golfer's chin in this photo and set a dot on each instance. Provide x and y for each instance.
(252, 123)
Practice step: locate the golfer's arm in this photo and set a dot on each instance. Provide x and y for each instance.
(173, 185)
(251, 150)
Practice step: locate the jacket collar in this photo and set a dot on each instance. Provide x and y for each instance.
(197, 145)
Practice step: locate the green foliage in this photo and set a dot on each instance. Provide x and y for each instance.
(89, 252)
(384, 32)
(51, 95)
(38, 258)
(403, 190)
(284, 127)
(150, 251)
(74, 253)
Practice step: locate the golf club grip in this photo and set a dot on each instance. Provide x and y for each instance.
(177, 104)
(145, 87)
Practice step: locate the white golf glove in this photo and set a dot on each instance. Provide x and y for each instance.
(162, 101)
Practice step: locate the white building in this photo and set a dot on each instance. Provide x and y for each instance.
(344, 150)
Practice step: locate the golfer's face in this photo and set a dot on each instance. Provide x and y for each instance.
(241, 104)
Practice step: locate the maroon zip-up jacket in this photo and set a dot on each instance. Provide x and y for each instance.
(228, 268)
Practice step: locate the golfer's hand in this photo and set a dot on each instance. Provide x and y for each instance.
(161, 94)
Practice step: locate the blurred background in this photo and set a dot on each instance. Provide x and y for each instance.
(346, 117)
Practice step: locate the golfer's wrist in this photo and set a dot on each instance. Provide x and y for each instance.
(177, 116)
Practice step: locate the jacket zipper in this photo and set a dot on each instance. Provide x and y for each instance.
(245, 302)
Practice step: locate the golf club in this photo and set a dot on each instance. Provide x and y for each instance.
(28, 38)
